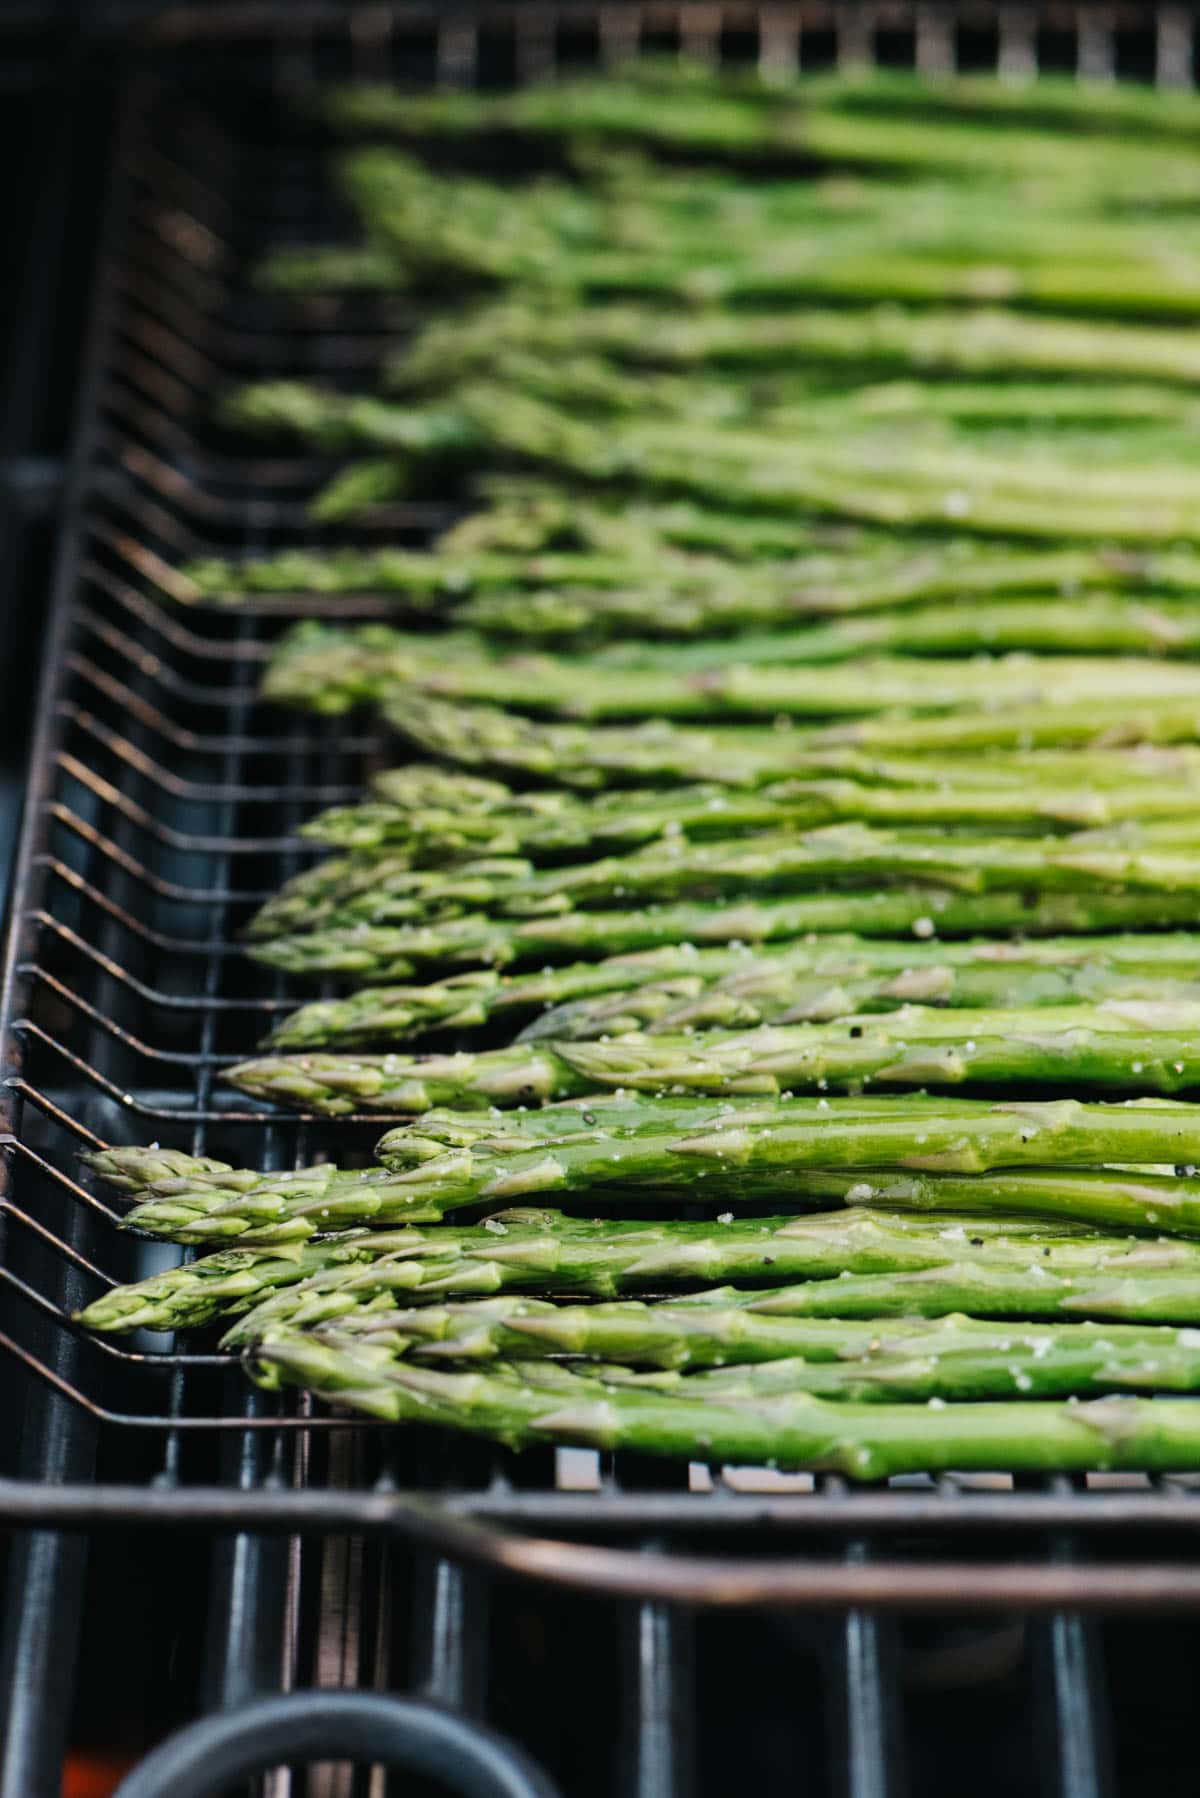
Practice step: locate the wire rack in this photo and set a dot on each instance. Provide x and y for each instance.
(165, 802)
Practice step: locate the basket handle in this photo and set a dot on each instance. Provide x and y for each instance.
(365, 1727)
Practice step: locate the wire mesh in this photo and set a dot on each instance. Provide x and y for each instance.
(167, 799)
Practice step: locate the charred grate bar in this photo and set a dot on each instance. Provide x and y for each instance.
(165, 802)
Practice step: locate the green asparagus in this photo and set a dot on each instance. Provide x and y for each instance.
(1131, 1046)
(372, 889)
(873, 340)
(923, 912)
(544, 826)
(538, 1250)
(951, 1358)
(543, 1251)
(594, 755)
(195, 1197)
(724, 986)
(329, 670)
(334, 1275)
(541, 1403)
(750, 1154)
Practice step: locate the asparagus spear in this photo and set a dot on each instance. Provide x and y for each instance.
(133, 1168)
(543, 1251)
(424, 576)
(539, 1403)
(942, 254)
(1140, 624)
(1065, 104)
(547, 825)
(1098, 624)
(1139, 1198)
(748, 99)
(1104, 722)
(1106, 769)
(329, 669)
(767, 995)
(869, 474)
(587, 1257)
(955, 1136)
(1136, 1046)
(515, 1248)
(681, 982)
(1129, 1287)
(709, 114)
(195, 1198)
(330, 892)
(836, 568)
(595, 755)
(920, 911)
(372, 890)
(558, 237)
(226, 1283)
(524, 514)
(750, 1153)
(659, 592)
(887, 339)
(950, 1358)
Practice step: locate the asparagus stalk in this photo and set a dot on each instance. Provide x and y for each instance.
(1129, 1287)
(941, 253)
(330, 892)
(558, 237)
(679, 981)
(1106, 768)
(596, 755)
(766, 995)
(1061, 103)
(423, 577)
(865, 474)
(699, 112)
(950, 1358)
(524, 514)
(196, 1199)
(516, 1248)
(1098, 624)
(539, 1403)
(922, 912)
(546, 1252)
(614, 1116)
(833, 568)
(1135, 1046)
(871, 340)
(751, 1153)
(660, 592)
(330, 670)
(543, 826)
(1101, 623)
(136, 1169)
(543, 1251)
(373, 890)
(226, 1283)
(931, 1135)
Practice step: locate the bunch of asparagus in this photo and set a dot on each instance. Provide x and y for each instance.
(807, 709)
(801, 1374)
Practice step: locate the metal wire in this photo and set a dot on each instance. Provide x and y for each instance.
(166, 798)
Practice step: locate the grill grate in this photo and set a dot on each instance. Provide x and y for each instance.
(165, 802)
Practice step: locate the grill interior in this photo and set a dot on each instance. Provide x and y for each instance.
(163, 804)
